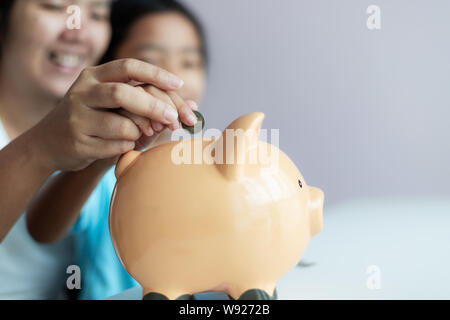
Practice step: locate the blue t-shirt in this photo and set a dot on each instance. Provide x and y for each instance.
(102, 274)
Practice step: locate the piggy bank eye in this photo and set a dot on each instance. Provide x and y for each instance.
(300, 183)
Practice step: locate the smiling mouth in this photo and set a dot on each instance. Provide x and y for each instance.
(66, 61)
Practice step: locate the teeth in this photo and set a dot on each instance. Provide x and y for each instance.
(66, 60)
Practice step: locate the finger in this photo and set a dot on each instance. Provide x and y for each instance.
(163, 96)
(192, 104)
(133, 99)
(104, 149)
(184, 110)
(112, 126)
(174, 100)
(144, 142)
(142, 122)
(159, 94)
(157, 126)
(126, 70)
(174, 126)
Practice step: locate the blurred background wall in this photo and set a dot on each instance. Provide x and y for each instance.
(361, 112)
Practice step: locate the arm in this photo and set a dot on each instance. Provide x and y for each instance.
(57, 206)
(79, 131)
(23, 170)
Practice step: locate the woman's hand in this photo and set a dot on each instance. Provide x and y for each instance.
(82, 128)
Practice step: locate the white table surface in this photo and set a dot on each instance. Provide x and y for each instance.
(408, 240)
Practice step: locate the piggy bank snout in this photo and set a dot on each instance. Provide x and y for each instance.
(316, 210)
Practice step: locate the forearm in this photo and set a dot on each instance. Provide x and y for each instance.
(23, 170)
(57, 206)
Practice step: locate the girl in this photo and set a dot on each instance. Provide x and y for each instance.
(40, 60)
(160, 32)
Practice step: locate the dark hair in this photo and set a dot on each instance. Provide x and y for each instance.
(126, 12)
(5, 11)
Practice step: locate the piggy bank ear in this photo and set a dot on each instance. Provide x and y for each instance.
(126, 161)
(234, 155)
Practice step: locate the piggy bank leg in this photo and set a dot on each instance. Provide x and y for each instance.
(154, 296)
(255, 294)
(159, 296)
(258, 294)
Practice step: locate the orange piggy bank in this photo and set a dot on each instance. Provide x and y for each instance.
(231, 222)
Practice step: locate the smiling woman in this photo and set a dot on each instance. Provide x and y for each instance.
(54, 112)
(40, 59)
(39, 43)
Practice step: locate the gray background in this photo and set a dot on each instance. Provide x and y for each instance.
(362, 113)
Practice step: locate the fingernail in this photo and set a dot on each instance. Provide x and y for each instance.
(150, 131)
(176, 125)
(170, 115)
(175, 82)
(157, 126)
(192, 119)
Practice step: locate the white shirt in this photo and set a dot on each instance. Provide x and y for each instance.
(29, 270)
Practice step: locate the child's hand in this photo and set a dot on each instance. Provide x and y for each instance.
(150, 128)
(173, 100)
(81, 129)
